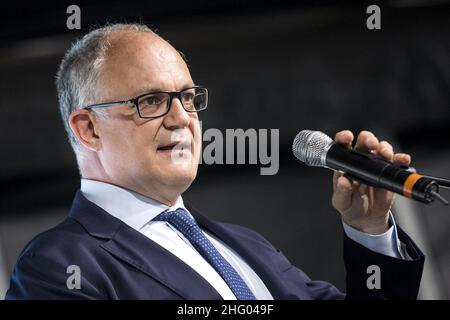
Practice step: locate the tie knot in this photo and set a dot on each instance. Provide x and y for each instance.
(180, 218)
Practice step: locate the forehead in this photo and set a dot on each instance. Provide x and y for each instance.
(133, 44)
(138, 59)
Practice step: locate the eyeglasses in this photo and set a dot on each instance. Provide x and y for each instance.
(157, 104)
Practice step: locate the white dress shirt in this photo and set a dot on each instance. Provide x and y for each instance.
(137, 211)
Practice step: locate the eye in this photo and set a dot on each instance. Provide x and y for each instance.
(188, 95)
(152, 100)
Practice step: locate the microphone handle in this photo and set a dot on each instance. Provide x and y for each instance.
(374, 171)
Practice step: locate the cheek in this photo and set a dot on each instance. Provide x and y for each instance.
(194, 127)
(132, 142)
(196, 135)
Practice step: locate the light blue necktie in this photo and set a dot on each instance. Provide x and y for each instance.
(181, 220)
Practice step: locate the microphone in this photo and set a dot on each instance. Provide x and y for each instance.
(316, 149)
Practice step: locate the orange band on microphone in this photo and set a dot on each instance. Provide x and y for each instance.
(409, 184)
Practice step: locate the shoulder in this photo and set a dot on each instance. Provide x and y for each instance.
(65, 241)
(43, 267)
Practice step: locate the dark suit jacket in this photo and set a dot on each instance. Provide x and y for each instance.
(118, 262)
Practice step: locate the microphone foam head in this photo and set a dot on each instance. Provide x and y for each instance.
(311, 147)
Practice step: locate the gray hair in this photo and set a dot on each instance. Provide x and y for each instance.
(79, 71)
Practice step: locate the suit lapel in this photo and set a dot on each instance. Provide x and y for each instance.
(131, 247)
(147, 256)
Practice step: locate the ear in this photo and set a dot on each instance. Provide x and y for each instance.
(84, 126)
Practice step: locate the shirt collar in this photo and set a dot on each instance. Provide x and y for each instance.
(134, 209)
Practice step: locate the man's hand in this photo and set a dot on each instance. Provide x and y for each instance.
(362, 207)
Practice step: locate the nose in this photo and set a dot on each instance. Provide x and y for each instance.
(177, 117)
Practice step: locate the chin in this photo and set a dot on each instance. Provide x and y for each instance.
(179, 175)
(179, 183)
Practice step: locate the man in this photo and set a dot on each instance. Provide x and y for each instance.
(130, 108)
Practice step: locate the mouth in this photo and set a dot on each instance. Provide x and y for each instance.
(176, 145)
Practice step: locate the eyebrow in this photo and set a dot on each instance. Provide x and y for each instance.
(150, 89)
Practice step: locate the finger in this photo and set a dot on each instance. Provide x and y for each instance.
(355, 184)
(344, 137)
(366, 141)
(385, 150)
(362, 188)
(342, 196)
(383, 196)
(402, 159)
(336, 175)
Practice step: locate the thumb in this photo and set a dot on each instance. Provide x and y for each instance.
(342, 196)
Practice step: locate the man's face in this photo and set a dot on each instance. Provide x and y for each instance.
(137, 153)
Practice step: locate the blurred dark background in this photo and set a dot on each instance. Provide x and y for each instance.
(287, 65)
